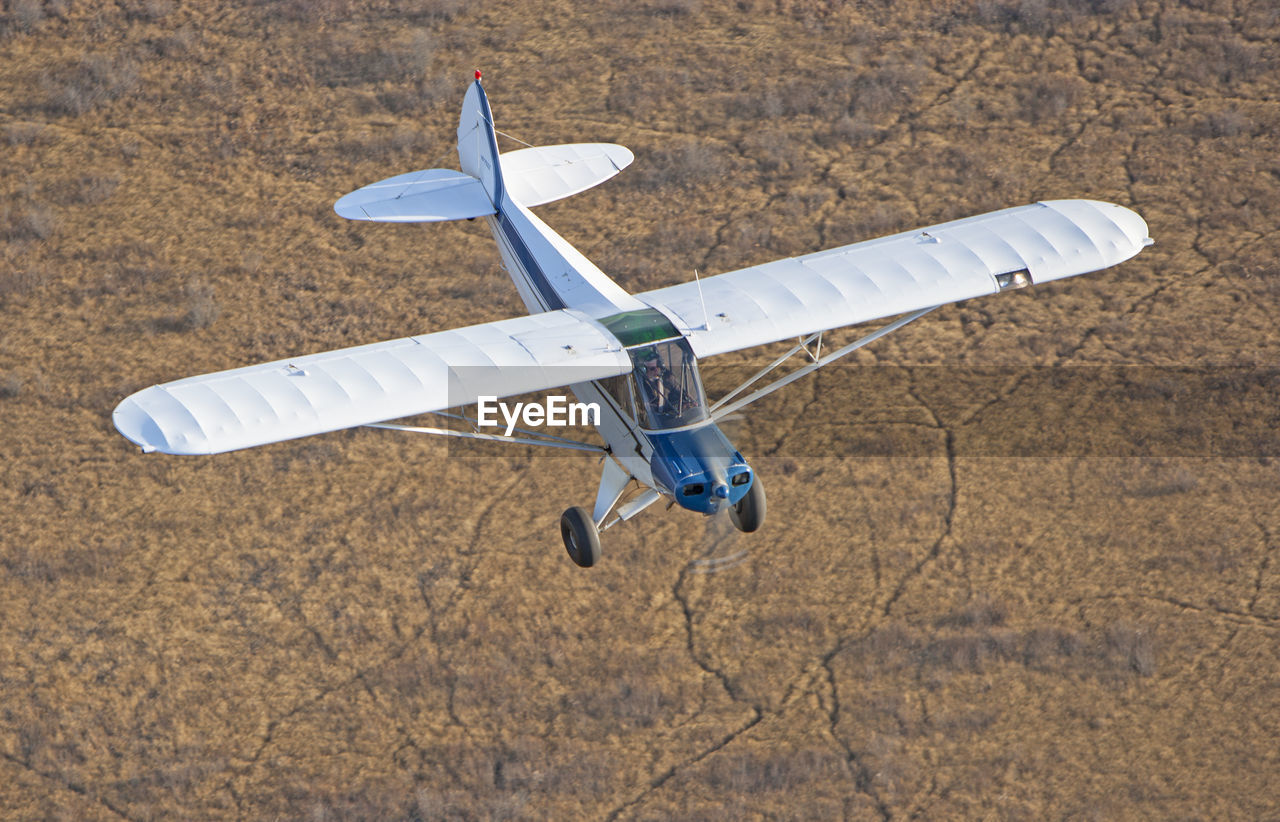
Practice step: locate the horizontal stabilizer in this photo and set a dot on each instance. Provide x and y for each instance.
(534, 176)
(429, 196)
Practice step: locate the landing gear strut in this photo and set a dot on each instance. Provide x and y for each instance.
(748, 513)
(581, 537)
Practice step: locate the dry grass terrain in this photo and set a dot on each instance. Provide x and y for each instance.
(370, 626)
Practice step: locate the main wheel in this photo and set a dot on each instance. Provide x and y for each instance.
(748, 513)
(581, 537)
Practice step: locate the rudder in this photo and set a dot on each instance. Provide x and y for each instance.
(478, 144)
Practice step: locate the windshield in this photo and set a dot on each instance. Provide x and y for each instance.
(670, 391)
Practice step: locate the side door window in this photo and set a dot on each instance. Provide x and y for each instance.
(619, 388)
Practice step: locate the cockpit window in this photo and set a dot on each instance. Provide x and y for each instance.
(669, 389)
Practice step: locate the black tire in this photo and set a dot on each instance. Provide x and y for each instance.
(748, 513)
(581, 537)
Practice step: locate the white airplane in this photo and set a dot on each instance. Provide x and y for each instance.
(633, 355)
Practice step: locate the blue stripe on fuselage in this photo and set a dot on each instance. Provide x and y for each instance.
(550, 298)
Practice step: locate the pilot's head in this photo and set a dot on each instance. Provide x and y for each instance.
(652, 365)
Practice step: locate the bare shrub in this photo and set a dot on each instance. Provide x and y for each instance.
(973, 644)
(329, 11)
(1048, 97)
(29, 221)
(391, 145)
(784, 626)
(859, 222)
(789, 771)
(981, 613)
(630, 699)
(23, 134)
(1160, 480)
(148, 10)
(1131, 647)
(1031, 16)
(1211, 59)
(97, 79)
(1044, 646)
(437, 9)
(308, 454)
(687, 166)
(585, 774)
(21, 277)
(1040, 17)
(10, 386)
(971, 722)
(1236, 61)
(177, 43)
(643, 92)
(773, 149)
(133, 273)
(854, 131)
(87, 189)
(970, 652)
(72, 562)
(34, 736)
(754, 105)
(409, 676)
(748, 234)
(313, 11)
(1229, 122)
(93, 189)
(672, 8)
(421, 94)
(202, 308)
(26, 14)
(883, 90)
(348, 61)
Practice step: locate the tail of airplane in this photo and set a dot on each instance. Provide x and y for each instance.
(488, 181)
(478, 143)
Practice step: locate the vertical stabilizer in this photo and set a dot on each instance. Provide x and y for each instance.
(477, 143)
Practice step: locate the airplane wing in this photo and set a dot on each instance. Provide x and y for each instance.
(355, 386)
(900, 273)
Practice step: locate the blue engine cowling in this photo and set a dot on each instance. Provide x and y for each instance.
(700, 468)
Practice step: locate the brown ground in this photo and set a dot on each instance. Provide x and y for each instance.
(363, 626)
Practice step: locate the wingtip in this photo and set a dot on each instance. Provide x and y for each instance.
(140, 418)
(137, 426)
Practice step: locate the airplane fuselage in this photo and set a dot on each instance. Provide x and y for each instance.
(654, 421)
(692, 461)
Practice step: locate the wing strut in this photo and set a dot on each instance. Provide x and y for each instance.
(613, 483)
(723, 408)
(803, 346)
(541, 439)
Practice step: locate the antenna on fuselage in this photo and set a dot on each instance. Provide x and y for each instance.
(706, 321)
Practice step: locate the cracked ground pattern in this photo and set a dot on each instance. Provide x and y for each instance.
(368, 626)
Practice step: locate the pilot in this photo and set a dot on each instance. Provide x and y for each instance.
(656, 379)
